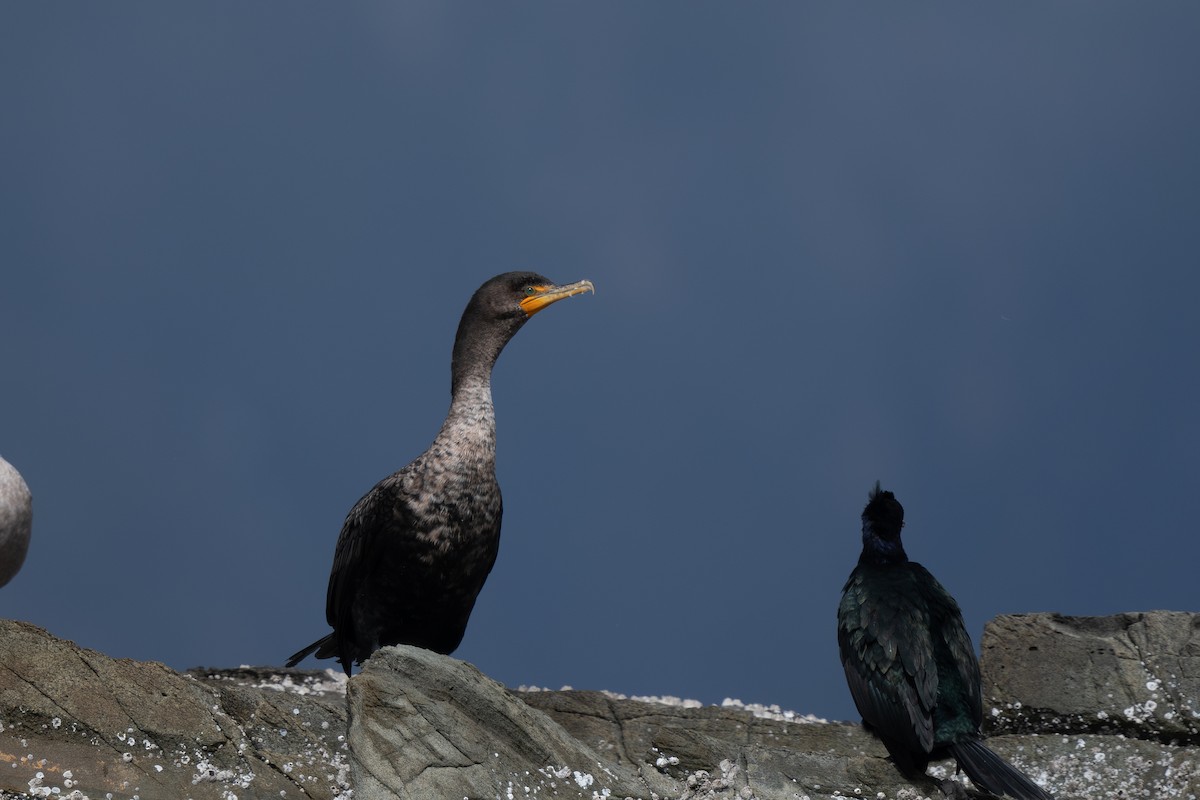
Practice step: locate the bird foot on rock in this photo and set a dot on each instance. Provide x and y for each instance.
(954, 790)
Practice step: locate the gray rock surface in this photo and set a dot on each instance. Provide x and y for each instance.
(424, 725)
(16, 521)
(427, 725)
(1137, 674)
(75, 723)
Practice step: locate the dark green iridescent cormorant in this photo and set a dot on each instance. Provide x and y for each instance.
(415, 550)
(910, 663)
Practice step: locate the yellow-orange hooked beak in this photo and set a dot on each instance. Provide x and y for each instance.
(545, 295)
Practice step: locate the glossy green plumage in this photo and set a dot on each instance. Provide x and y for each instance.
(909, 662)
(908, 659)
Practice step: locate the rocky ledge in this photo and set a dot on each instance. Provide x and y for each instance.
(1091, 707)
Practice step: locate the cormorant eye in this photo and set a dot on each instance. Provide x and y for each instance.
(529, 290)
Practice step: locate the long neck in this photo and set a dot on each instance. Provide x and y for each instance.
(468, 435)
(477, 345)
(469, 432)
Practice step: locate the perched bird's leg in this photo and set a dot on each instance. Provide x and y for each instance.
(953, 789)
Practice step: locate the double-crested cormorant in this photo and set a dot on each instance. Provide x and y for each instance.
(910, 663)
(415, 550)
(16, 521)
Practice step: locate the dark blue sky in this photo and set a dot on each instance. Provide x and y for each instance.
(950, 247)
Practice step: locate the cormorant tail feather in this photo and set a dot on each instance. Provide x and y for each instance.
(990, 772)
(324, 643)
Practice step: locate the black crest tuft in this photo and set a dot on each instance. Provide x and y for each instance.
(883, 514)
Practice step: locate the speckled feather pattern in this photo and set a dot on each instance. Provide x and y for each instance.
(414, 552)
(429, 531)
(16, 521)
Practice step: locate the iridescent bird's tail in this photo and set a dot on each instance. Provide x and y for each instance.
(990, 772)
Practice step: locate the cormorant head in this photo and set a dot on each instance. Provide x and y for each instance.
(882, 520)
(519, 295)
(497, 311)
